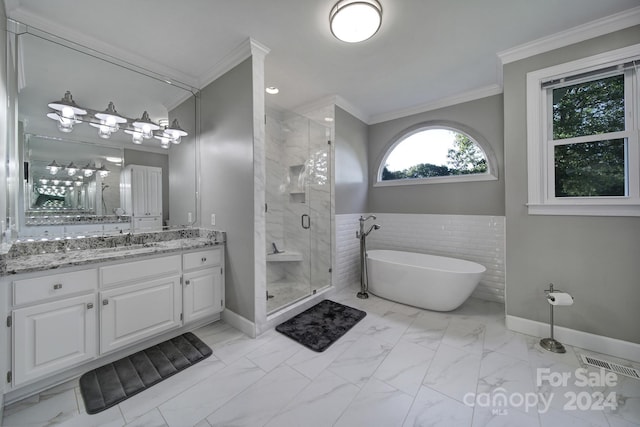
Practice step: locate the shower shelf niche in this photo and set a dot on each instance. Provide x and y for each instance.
(284, 257)
(296, 179)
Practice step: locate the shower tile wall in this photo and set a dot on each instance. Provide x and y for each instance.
(476, 238)
(275, 194)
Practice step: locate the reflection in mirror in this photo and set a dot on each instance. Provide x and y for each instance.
(86, 116)
(70, 178)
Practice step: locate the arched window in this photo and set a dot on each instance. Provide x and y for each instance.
(430, 153)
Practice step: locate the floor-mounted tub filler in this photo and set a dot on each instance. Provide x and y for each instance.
(421, 280)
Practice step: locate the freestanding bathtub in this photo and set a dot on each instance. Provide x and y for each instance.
(426, 281)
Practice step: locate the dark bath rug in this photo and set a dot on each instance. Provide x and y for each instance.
(321, 325)
(110, 384)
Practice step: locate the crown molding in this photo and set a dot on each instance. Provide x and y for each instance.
(471, 95)
(599, 27)
(241, 52)
(330, 100)
(118, 54)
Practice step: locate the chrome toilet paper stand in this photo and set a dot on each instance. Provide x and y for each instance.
(550, 343)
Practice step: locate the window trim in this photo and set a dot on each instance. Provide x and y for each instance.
(540, 202)
(492, 165)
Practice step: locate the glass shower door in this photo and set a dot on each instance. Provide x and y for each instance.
(298, 194)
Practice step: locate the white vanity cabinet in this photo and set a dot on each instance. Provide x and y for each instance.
(54, 323)
(64, 322)
(139, 299)
(203, 283)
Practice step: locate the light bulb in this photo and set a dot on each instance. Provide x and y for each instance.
(68, 112)
(104, 132)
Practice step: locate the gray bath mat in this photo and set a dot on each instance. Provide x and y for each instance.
(110, 384)
(321, 325)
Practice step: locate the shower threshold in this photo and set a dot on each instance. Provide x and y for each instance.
(282, 294)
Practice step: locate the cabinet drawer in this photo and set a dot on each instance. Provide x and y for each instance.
(140, 270)
(208, 258)
(52, 286)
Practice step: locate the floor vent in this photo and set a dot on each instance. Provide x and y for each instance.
(614, 367)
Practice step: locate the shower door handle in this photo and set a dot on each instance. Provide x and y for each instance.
(306, 221)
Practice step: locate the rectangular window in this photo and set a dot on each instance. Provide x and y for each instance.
(583, 127)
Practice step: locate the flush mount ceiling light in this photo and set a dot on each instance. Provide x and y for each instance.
(354, 21)
(67, 113)
(272, 90)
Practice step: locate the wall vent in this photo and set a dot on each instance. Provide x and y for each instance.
(614, 367)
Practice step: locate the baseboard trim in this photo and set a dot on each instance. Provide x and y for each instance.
(240, 323)
(598, 343)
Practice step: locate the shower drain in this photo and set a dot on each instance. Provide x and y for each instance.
(610, 366)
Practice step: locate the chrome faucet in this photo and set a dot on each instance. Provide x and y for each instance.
(362, 235)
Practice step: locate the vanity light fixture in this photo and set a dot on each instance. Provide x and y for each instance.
(71, 169)
(103, 172)
(174, 132)
(67, 113)
(354, 21)
(145, 126)
(88, 170)
(136, 137)
(110, 121)
(53, 167)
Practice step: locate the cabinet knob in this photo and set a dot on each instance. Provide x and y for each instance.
(105, 302)
(57, 286)
(187, 282)
(89, 306)
(204, 259)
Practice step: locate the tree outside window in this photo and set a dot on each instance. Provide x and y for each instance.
(585, 167)
(424, 151)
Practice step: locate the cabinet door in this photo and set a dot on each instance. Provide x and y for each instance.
(203, 294)
(138, 191)
(154, 191)
(132, 313)
(53, 336)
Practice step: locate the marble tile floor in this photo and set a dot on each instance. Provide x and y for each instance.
(400, 366)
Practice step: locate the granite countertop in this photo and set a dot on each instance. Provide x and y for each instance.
(26, 257)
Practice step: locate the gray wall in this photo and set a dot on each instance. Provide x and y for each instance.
(352, 169)
(593, 258)
(226, 156)
(484, 117)
(147, 158)
(182, 166)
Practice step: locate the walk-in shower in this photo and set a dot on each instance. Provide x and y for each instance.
(298, 208)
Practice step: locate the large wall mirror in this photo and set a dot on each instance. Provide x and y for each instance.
(75, 157)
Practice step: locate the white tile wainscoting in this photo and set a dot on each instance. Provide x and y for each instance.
(478, 238)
